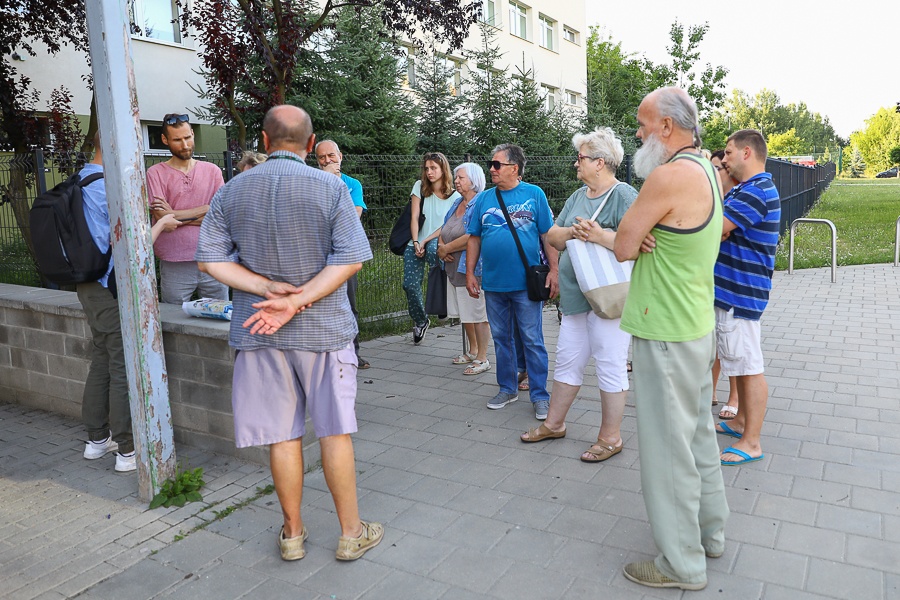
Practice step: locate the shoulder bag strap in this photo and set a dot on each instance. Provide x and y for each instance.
(605, 200)
(512, 228)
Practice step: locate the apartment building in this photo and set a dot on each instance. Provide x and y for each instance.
(165, 70)
(544, 36)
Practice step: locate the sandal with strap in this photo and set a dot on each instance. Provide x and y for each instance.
(477, 367)
(600, 451)
(728, 412)
(463, 359)
(523, 382)
(539, 434)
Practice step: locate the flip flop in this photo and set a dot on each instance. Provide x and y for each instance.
(726, 430)
(745, 458)
(539, 434)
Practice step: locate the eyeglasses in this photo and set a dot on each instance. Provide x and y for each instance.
(580, 157)
(496, 164)
(172, 120)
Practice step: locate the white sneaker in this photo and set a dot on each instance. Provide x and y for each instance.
(126, 463)
(95, 450)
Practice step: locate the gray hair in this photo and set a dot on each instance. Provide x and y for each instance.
(601, 143)
(250, 159)
(475, 174)
(319, 143)
(514, 154)
(675, 103)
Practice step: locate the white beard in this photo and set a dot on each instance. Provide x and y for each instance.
(650, 155)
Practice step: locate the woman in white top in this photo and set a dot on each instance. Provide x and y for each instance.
(436, 189)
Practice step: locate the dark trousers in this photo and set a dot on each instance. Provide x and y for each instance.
(104, 406)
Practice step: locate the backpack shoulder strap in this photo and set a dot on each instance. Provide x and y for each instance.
(90, 179)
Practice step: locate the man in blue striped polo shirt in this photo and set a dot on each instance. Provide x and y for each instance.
(743, 276)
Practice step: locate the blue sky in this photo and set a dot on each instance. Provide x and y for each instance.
(833, 56)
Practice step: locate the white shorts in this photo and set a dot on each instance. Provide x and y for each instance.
(461, 304)
(738, 344)
(586, 335)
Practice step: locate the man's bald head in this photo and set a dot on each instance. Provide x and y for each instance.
(287, 128)
(674, 103)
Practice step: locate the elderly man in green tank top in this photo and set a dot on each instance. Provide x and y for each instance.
(673, 229)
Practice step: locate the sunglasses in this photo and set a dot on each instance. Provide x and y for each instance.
(176, 119)
(496, 164)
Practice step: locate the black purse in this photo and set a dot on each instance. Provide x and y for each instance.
(436, 295)
(401, 233)
(535, 275)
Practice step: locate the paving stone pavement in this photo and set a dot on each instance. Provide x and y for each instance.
(470, 512)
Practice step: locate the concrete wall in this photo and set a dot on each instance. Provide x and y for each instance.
(45, 355)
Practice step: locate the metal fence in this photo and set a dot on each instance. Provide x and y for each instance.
(387, 182)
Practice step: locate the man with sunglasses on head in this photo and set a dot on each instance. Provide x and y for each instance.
(503, 273)
(182, 186)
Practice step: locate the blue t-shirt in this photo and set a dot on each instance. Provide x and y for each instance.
(355, 188)
(747, 258)
(96, 213)
(502, 269)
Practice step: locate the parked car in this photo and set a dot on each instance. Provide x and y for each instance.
(889, 173)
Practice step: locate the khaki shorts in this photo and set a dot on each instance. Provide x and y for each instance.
(272, 389)
(738, 344)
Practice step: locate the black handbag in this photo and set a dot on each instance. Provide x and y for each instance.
(436, 294)
(401, 233)
(535, 275)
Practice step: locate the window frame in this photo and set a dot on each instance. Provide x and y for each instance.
(547, 27)
(138, 8)
(490, 20)
(518, 20)
(574, 36)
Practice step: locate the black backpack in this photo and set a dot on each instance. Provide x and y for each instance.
(65, 251)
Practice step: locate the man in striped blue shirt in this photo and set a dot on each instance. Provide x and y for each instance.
(743, 276)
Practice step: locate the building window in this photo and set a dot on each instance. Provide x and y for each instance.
(410, 61)
(549, 97)
(547, 27)
(571, 98)
(155, 19)
(518, 20)
(454, 75)
(570, 35)
(489, 12)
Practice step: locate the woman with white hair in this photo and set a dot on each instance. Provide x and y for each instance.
(468, 178)
(583, 334)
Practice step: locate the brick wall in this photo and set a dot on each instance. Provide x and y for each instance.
(45, 355)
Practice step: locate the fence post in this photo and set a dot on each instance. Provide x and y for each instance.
(229, 168)
(628, 169)
(39, 175)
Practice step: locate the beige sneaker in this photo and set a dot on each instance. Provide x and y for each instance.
(292, 548)
(353, 548)
(646, 573)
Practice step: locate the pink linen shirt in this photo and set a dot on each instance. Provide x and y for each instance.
(182, 191)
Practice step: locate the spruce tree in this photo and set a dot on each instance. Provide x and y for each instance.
(350, 81)
(529, 119)
(440, 121)
(487, 95)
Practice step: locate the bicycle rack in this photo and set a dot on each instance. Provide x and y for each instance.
(833, 244)
(897, 243)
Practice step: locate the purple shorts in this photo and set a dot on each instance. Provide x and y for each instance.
(273, 388)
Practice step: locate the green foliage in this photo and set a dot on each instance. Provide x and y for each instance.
(617, 81)
(350, 84)
(881, 134)
(785, 144)
(440, 123)
(182, 489)
(857, 163)
(894, 155)
(705, 85)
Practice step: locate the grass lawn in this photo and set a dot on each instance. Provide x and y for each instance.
(864, 211)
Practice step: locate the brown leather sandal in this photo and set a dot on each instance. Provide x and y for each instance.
(539, 434)
(600, 451)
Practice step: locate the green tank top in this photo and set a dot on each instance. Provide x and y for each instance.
(672, 288)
